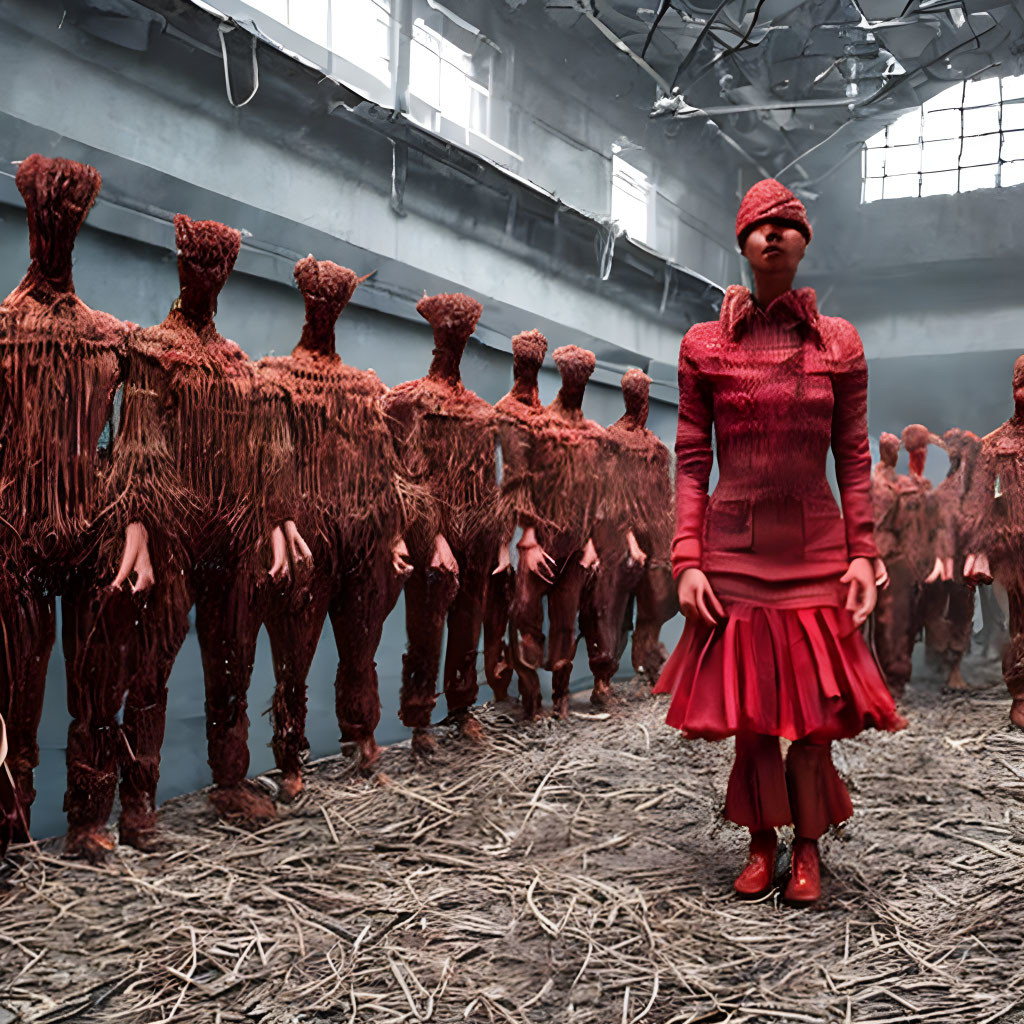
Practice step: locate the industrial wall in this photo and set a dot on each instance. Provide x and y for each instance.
(933, 286)
(300, 178)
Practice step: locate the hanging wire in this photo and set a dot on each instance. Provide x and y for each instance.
(222, 30)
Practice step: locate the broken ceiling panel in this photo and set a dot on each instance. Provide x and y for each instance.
(781, 78)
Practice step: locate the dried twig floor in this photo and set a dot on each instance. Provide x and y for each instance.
(573, 872)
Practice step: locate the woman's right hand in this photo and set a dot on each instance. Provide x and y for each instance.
(697, 598)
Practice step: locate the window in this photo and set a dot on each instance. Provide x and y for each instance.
(356, 30)
(967, 137)
(631, 198)
(449, 82)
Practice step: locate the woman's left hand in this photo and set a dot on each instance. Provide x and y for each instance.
(861, 597)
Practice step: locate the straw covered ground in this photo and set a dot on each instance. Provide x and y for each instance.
(575, 872)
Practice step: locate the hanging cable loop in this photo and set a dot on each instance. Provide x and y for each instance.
(222, 30)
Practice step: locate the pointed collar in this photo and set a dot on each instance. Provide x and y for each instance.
(793, 308)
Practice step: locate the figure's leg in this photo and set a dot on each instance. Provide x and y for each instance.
(603, 606)
(101, 657)
(894, 627)
(1013, 655)
(563, 609)
(361, 604)
(28, 631)
(961, 622)
(934, 617)
(819, 798)
(465, 620)
(163, 626)
(757, 799)
(428, 595)
(294, 621)
(656, 603)
(228, 619)
(497, 657)
(527, 633)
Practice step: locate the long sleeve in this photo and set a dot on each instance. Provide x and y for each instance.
(275, 479)
(144, 483)
(852, 452)
(421, 512)
(693, 464)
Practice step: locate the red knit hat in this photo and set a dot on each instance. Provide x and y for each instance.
(770, 200)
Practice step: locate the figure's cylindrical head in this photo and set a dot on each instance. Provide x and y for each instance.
(453, 317)
(528, 351)
(916, 437)
(636, 393)
(326, 287)
(770, 200)
(575, 364)
(1018, 382)
(58, 194)
(888, 448)
(207, 251)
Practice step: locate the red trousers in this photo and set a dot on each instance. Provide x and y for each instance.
(656, 604)
(1013, 653)
(563, 595)
(949, 621)
(807, 793)
(358, 594)
(433, 598)
(497, 653)
(603, 603)
(148, 634)
(899, 617)
(28, 628)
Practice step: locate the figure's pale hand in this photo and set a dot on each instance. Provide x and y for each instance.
(977, 569)
(881, 575)
(697, 599)
(589, 560)
(443, 557)
(533, 558)
(298, 549)
(504, 561)
(861, 597)
(279, 551)
(637, 555)
(135, 559)
(400, 558)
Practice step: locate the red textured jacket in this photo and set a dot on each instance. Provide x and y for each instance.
(780, 386)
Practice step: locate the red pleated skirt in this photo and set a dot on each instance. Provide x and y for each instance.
(790, 672)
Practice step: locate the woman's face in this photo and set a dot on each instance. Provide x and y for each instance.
(774, 247)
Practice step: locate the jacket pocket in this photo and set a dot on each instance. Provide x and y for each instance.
(824, 532)
(729, 526)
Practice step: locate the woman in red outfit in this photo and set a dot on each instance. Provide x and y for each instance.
(773, 580)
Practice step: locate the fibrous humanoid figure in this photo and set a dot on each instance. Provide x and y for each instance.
(621, 558)
(773, 580)
(60, 364)
(917, 554)
(993, 525)
(446, 437)
(646, 463)
(520, 415)
(350, 501)
(203, 471)
(557, 555)
(949, 616)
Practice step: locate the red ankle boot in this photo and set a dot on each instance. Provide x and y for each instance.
(756, 877)
(804, 885)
